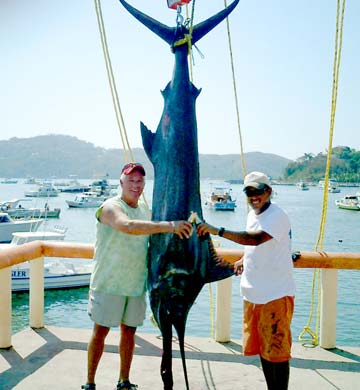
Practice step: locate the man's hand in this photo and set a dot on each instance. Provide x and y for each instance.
(238, 267)
(204, 228)
(183, 229)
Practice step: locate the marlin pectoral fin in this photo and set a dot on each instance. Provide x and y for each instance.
(218, 268)
(148, 140)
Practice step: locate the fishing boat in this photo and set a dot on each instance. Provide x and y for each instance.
(9, 181)
(220, 199)
(302, 186)
(57, 274)
(17, 210)
(72, 185)
(332, 186)
(349, 202)
(45, 190)
(8, 226)
(89, 199)
(100, 190)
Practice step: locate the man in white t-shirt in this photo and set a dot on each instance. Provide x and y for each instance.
(267, 283)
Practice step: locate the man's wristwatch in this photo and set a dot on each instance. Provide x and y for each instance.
(221, 232)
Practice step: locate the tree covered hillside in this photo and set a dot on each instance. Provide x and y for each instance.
(345, 166)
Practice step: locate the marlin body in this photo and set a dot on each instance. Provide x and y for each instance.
(178, 268)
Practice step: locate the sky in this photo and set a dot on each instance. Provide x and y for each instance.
(53, 78)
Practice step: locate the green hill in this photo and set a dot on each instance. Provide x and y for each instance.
(60, 156)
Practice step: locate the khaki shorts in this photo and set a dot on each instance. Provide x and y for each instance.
(112, 310)
(266, 329)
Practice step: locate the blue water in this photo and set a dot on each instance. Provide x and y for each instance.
(68, 308)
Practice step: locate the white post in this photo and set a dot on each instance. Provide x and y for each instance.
(223, 310)
(5, 307)
(36, 293)
(328, 308)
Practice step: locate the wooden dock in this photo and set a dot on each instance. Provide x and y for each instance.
(55, 358)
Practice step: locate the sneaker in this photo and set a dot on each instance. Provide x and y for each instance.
(126, 385)
(89, 386)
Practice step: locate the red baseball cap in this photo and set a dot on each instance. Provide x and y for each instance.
(131, 167)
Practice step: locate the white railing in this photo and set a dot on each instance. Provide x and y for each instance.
(37, 250)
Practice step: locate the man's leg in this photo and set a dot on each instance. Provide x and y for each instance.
(95, 350)
(276, 374)
(126, 350)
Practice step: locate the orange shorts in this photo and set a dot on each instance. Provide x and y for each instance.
(266, 329)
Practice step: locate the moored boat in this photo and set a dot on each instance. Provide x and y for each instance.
(8, 226)
(16, 209)
(349, 202)
(9, 181)
(72, 185)
(332, 186)
(302, 186)
(57, 274)
(44, 190)
(220, 199)
(90, 199)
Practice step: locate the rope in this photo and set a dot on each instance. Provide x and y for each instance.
(235, 94)
(115, 98)
(190, 36)
(314, 335)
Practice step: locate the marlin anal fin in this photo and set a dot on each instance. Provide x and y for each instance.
(218, 268)
(148, 140)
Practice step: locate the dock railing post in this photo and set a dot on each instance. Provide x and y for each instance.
(5, 307)
(223, 310)
(328, 308)
(36, 293)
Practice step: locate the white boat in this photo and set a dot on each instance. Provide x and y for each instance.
(57, 274)
(332, 186)
(8, 226)
(349, 202)
(16, 209)
(31, 180)
(220, 199)
(90, 199)
(72, 185)
(302, 186)
(9, 181)
(44, 190)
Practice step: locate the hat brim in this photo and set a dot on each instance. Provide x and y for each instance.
(254, 184)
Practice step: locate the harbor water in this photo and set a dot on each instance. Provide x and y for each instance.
(68, 308)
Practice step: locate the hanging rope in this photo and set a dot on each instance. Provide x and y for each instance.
(190, 37)
(235, 94)
(314, 334)
(115, 98)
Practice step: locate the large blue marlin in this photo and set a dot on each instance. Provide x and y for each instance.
(178, 269)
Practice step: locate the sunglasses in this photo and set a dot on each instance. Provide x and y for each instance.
(254, 191)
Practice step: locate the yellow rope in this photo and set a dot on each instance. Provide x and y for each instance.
(235, 94)
(115, 98)
(314, 335)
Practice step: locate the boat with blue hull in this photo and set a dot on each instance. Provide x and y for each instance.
(220, 199)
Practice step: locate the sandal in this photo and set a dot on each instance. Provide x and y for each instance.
(89, 386)
(126, 385)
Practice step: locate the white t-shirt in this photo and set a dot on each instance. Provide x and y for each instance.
(268, 268)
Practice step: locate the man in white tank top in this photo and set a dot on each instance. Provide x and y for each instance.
(267, 283)
(117, 285)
